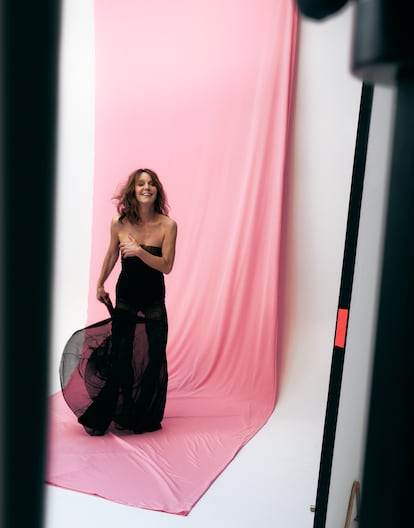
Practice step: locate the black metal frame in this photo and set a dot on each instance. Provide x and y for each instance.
(383, 53)
(29, 55)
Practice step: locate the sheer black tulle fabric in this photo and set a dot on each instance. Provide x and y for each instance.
(115, 370)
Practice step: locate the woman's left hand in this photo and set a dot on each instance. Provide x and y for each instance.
(130, 248)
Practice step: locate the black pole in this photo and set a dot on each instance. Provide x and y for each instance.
(345, 292)
(29, 54)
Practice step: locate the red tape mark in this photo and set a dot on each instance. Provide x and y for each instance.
(341, 327)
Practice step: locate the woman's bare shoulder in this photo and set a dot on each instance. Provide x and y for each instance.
(115, 223)
(167, 221)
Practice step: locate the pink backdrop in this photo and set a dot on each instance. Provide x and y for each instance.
(199, 91)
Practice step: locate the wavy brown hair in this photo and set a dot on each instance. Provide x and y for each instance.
(128, 206)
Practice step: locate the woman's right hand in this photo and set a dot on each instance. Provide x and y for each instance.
(101, 294)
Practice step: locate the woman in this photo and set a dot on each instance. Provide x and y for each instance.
(133, 391)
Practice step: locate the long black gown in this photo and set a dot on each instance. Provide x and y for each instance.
(115, 370)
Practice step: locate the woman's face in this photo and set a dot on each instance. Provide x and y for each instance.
(145, 189)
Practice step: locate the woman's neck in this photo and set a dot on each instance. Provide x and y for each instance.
(147, 214)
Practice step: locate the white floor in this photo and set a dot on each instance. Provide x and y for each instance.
(270, 484)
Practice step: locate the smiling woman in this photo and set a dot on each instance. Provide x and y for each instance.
(117, 371)
(143, 219)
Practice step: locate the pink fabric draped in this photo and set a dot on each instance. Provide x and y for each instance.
(200, 92)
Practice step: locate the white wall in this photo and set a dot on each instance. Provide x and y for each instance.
(327, 105)
(74, 177)
(318, 186)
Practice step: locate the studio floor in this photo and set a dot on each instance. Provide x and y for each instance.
(272, 481)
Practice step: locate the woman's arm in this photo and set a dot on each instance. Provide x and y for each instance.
(166, 261)
(109, 261)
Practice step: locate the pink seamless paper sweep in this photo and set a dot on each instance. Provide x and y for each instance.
(200, 92)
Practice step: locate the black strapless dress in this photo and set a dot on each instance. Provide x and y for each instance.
(115, 370)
